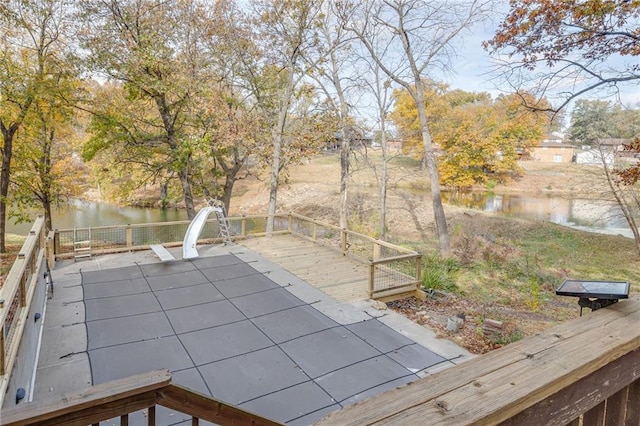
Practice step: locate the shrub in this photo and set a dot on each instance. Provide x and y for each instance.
(440, 274)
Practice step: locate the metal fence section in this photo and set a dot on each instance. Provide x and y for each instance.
(321, 233)
(394, 275)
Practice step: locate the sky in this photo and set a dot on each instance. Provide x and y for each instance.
(474, 66)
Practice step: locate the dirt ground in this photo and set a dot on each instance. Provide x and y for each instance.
(314, 189)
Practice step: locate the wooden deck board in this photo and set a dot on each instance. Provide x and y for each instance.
(341, 277)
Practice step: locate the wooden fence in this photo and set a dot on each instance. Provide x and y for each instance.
(16, 296)
(393, 270)
(583, 372)
(119, 398)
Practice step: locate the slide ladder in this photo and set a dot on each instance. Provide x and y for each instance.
(223, 224)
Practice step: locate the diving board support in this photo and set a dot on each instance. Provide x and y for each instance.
(189, 250)
(162, 252)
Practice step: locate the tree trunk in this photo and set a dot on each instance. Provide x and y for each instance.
(277, 139)
(345, 150)
(383, 181)
(432, 167)
(5, 174)
(187, 193)
(274, 181)
(45, 177)
(164, 195)
(230, 174)
(627, 210)
(48, 223)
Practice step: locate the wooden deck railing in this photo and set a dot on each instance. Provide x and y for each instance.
(119, 398)
(16, 296)
(393, 270)
(583, 372)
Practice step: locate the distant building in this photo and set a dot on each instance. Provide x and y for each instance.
(596, 157)
(552, 152)
(605, 150)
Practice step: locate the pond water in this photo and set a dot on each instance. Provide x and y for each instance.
(82, 214)
(589, 215)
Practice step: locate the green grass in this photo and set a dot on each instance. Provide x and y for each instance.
(520, 263)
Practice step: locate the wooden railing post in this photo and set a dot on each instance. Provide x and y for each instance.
(419, 270)
(633, 408)
(129, 234)
(372, 275)
(50, 249)
(343, 241)
(2, 351)
(56, 242)
(376, 251)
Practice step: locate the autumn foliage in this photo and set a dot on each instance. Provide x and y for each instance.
(479, 139)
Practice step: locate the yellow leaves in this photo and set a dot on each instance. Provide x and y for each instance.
(477, 137)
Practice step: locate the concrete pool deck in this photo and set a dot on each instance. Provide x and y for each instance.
(229, 324)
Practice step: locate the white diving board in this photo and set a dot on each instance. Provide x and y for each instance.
(162, 252)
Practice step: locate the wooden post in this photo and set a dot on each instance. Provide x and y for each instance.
(616, 407)
(152, 416)
(129, 233)
(2, 351)
(343, 241)
(372, 274)
(23, 290)
(56, 242)
(633, 408)
(376, 251)
(595, 416)
(419, 270)
(50, 250)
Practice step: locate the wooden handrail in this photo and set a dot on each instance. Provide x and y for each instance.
(551, 378)
(124, 396)
(16, 295)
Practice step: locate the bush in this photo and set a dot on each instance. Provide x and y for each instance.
(440, 274)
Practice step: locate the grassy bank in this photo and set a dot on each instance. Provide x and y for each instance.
(507, 269)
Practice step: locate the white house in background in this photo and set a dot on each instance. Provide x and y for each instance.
(606, 149)
(596, 157)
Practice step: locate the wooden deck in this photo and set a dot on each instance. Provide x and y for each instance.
(341, 277)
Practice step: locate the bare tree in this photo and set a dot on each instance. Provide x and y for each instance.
(568, 48)
(287, 32)
(380, 87)
(337, 77)
(623, 187)
(409, 40)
